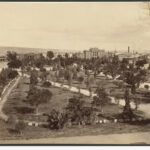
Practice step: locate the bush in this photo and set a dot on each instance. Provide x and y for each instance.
(20, 126)
(34, 77)
(47, 84)
(37, 96)
(12, 74)
(146, 86)
(42, 69)
(77, 112)
(7, 74)
(56, 119)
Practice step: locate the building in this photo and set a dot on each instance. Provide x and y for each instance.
(94, 53)
(80, 55)
(3, 58)
(29, 56)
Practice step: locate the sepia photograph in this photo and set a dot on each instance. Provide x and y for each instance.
(75, 73)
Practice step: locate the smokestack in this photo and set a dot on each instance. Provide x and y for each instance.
(128, 49)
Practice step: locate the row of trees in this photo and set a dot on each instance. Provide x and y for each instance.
(6, 75)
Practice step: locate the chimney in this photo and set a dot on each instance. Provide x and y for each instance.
(128, 49)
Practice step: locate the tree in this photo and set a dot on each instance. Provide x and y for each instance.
(13, 62)
(7, 74)
(39, 63)
(3, 77)
(12, 74)
(36, 97)
(20, 126)
(68, 76)
(112, 67)
(50, 54)
(89, 82)
(140, 63)
(61, 74)
(133, 76)
(101, 99)
(56, 119)
(146, 86)
(11, 56)
(34, 77)
(66, 55)
(127, 112)
(80, 80)
(77, 112)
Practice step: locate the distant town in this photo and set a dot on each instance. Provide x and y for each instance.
(95, 52)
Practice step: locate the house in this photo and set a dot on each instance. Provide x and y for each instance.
(29, 56)
(3, 58)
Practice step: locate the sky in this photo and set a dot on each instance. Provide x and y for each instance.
(75, 25)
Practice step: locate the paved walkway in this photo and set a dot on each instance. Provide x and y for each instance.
(129, 138)
(5, 95)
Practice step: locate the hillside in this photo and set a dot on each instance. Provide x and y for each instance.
(3, 50)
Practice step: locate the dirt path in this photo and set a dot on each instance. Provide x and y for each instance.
(127, 138)
(5, 97)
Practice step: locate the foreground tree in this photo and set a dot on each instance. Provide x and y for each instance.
(101, 99)
(36, 97)
(56, 119)
(127, 112)
(77, 112)
(80, 80)
(20, 126)
(13, 62)
(89, 82)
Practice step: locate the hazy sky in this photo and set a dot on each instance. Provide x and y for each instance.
(75, 25)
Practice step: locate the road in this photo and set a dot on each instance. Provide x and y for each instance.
(127, 138)
(5, 97)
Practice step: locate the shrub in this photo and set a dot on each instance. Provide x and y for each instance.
(146, 86)
(56, 119)
(20, 126)
(77, 112)
(37, 96)
(12, 74)
(34, 77)
(7, 74)
(47, 84)
(42, 69)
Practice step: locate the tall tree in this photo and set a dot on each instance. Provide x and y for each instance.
(80, 80)
(34, 77)
(50, 54)
(127, 112)
(36, 97)
(101, 99)
(112, 67)
(89, 82)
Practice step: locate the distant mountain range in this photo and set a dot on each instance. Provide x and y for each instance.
(22, 50)
(3, 50)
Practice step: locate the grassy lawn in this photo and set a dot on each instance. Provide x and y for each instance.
(17, 103)
(142, 95)
(39, 132)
